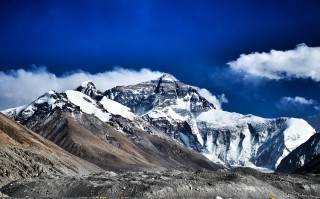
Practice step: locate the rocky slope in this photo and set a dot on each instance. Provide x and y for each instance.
(104, 132)
(24, 153)
(303, 159)
(181, 112)
(237, 183)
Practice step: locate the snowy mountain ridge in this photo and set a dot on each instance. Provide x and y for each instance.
(72, 100)
(177, 110)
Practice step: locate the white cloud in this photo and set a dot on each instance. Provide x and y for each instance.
(298, 105)
(301, 62)
(216, 101)
(223, 98)
(19, 87)
(298, 100)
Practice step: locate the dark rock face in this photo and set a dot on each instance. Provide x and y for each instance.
(303, 159)
(313, 166)
(177, 130)
(160, 93)
(90, 89)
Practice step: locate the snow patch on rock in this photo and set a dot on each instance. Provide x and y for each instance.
(87, 105)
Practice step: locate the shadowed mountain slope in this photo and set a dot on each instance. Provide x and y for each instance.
(304, 159)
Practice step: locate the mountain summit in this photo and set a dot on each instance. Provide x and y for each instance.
(168, 78)
(88, 88)
(165, 91)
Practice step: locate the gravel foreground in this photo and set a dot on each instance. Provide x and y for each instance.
(235, 183)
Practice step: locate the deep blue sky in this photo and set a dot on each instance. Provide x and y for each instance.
(192, 40)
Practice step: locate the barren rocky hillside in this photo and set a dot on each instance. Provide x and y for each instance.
(24, 153)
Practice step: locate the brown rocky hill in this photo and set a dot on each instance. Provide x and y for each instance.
(24, 153)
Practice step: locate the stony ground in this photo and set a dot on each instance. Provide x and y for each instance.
(236, 183)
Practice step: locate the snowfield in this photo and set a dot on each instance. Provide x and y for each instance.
(87, 105)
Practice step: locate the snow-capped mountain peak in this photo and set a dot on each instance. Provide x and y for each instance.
(177, 110)
(168, 78)
(88, 84)
(29, 114)
(86, 98)
(97, 104)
